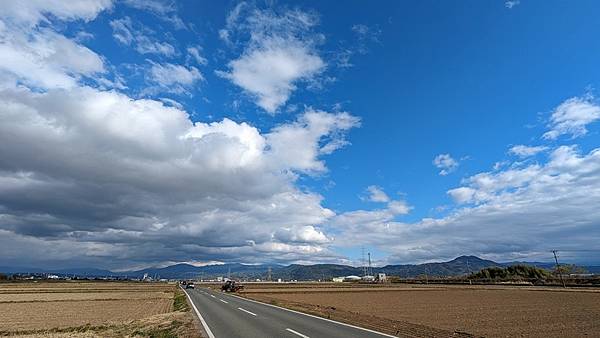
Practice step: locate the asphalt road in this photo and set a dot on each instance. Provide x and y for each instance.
(227, 316)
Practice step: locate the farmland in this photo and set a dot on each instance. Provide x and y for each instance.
(93, 309)
(429, 310)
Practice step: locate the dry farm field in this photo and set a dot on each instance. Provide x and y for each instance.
(93, 309)
(429, 310)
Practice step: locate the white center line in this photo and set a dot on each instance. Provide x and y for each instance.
(252, 313)
(213, 296)
(224, 301)
(298, 333)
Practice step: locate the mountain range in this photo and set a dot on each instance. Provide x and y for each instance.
(459, 266)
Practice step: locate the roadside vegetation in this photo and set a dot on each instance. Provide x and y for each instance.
(515, 272)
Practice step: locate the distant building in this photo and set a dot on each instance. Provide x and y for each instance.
(352, 279)
(338, 279)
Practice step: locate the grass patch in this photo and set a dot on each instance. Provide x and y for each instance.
(168, 332)
(180, 301)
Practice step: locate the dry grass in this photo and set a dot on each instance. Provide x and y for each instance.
(93, 309)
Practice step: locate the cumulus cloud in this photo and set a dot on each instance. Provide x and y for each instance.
(43, 58)
(572, 117)
(518, 213)
(88, 174)
(118, 171)
(279, 54)
(526, 151)
(125, 33)
(446, 163)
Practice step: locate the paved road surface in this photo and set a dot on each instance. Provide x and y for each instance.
(228, 316)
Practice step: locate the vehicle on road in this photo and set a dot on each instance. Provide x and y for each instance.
(189, 285)
(231, 286)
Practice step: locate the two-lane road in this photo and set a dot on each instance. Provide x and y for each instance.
(227, 316)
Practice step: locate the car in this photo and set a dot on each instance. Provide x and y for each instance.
(189, 286)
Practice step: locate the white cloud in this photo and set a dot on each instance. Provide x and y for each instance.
(511, 3)
(94, 177)
(280, 54)
(195, 53)
(32, 12)
(125, 33)
(376, 194)
(446, 163)
(117, 170)
(45, 59)
(518, 214)
(526, 151)
(174, 78)
(318, 129)
(164, 10)
(572, 117)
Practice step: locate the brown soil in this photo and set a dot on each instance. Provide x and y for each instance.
(443, 311)
(100, 309)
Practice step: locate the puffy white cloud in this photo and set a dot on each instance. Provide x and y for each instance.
(518, 213)
(33, 11)
(446, 163)
(526, 151)
(88, 174)
(376, 194)
(321, 132)
(572, 117)
(279, 54)
(45, 59)
(102, 170)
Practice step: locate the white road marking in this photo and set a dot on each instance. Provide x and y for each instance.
(213, 296)
(321, 318)
(297, 333)
(224, 301)
(252, 313)
(206, 328)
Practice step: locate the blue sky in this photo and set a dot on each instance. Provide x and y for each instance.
(153, 132)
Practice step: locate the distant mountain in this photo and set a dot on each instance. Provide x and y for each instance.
(209, 271)
(459, 266)
(67, 272)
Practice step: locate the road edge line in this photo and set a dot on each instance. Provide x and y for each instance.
(202, 321)
(325, 319)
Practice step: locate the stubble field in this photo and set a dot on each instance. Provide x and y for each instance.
(87, 309)
(442, 311)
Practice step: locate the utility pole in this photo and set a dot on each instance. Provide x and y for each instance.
(370, 271)
(558, 269)
(269, 274)
(362, 261)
